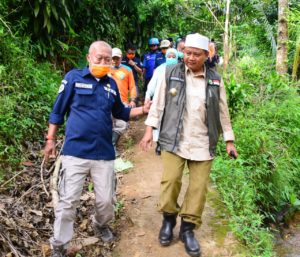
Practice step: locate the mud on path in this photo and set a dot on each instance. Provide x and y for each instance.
(140, 223)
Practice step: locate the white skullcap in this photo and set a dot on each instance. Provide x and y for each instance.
(196, 40)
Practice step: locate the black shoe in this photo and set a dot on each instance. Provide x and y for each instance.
(158, 149)
(104, 233)
(187, 236)
(59, 251)
(166, 231)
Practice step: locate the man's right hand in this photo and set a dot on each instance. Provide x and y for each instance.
(50, 149)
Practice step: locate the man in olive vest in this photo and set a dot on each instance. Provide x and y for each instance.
(190, 107)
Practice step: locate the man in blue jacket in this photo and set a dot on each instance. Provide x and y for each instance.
(88, 98)
(149, 61)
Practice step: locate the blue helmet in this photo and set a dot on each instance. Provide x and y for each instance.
(153, 41)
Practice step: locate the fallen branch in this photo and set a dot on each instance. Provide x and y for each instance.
(53, 183)
(42, 177)
(54, 179)
(11, 178)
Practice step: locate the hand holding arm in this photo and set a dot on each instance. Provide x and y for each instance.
(140, 110)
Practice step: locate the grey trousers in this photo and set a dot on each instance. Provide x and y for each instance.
(119, 126)
(73, 174)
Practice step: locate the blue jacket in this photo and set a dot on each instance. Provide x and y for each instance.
(159, 59)
(149, 63)
(89, 105)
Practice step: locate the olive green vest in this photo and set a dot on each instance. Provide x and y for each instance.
(172, 120)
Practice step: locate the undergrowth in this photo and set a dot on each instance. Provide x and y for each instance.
(27, 90)
(265, 179)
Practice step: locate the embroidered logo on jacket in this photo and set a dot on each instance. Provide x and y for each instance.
(108, 89)
(177, 79)
(214, 82)
(62, 86)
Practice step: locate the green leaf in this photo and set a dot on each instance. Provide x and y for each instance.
(91, 187)
(45, 18)
(36, 8)
(63, 22)
(49, 26)
(54, 11)
(293, 198)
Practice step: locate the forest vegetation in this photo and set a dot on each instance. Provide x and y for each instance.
(40, 40)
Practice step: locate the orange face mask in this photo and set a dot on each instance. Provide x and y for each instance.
(100, 71)
(130, 56)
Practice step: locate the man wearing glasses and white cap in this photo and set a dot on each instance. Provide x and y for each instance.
(192, 103)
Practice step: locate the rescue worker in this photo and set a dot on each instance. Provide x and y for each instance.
(191, 110)
(88, 98)
(149, 61)
(123, 75)
(133, 61)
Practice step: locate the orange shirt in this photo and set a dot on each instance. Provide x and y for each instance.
(124, 77)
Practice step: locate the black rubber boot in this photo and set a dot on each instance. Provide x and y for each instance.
(157, 149)
(104, 233)
(115, 139)
(187, 236)
(59, 251)
(166, 231)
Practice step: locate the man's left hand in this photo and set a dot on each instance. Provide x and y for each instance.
(231, 150)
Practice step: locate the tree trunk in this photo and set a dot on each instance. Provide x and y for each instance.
(282, 40)
(226, 36)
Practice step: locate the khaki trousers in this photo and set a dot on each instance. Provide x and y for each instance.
(73, 174)
(195, 196)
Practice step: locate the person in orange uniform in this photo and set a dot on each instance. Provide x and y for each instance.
(124, 78)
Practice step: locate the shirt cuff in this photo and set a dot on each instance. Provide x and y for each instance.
(56, 119)
(228, 136)
(152, 122)
(125, 114)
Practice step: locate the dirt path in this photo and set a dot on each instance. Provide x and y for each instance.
(141, 223)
